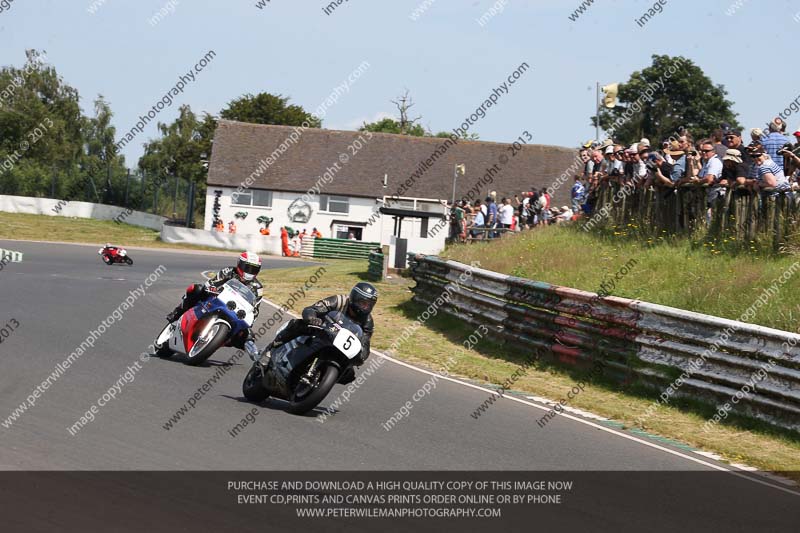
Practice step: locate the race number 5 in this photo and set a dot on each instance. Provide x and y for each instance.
(347, 343)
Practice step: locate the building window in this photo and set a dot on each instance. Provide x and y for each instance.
(334, 204)
(262, 198)
(253, 197)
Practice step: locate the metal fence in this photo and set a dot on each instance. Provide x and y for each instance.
(769, 218)
(651, 344)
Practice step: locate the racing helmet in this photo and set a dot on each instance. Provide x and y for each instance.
(362, 299)
(249, 266)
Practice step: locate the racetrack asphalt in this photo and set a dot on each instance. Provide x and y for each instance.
(60, 292)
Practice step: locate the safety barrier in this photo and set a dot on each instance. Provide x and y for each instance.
(53, 207)
(336, 248)
(378, 264)
(237, 241)
(10, 256)
(679, 352)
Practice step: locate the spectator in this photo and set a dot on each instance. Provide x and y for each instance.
(479, 221)
(564, 215)
(770, 175)
(577, 193)
(711, 173)
(774, 142)
(548, 200)
(491, 217)
(733, 138)
(506, 214)
(791, 159)
(232, 227)
(616, 167)
(599, 164)
(734, 169)
(677, 169)
(640, 172)
(720, 148)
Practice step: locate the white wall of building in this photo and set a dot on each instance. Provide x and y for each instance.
(360, 211)
(52, 207)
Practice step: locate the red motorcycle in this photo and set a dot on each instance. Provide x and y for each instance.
(114, 254)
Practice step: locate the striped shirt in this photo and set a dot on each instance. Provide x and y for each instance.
(769, 166)
(772, 143)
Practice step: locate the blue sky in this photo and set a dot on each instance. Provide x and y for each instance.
(447, 61)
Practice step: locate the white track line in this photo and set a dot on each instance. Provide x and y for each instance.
(576, 419)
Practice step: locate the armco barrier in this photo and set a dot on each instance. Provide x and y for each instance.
(336, 248)
(51, 207)
(228, 241)
(653, 343)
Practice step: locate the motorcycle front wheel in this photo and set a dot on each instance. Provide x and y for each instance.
(307, 396)
(252, 386)
(129, 261)
(208, 344)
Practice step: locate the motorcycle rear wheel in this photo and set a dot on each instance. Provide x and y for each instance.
(213, 341)
(305, 403)
(107, 260)
(252, 387)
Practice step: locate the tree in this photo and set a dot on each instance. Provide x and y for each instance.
(178, 155)
(100, 160)
(390, 125)
(658, 100)
(266, 108)
(41, 129)
(403, 126)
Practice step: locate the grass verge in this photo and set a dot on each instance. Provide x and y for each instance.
(738, 440)
(678, 274)
(82, 230)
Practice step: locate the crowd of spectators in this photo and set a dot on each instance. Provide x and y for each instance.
(768, 163)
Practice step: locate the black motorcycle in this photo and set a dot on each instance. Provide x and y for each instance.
(304, 370)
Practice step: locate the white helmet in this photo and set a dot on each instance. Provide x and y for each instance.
(249, 266)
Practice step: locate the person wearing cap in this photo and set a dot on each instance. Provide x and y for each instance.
(677, 168)
(734, 169)
(717, 138)
(774, 142)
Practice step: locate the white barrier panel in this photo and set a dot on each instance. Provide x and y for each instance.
(215, 239)
(10, 256)
(48, 206)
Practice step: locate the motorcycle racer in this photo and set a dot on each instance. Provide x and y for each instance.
(357, 306)
(247, 268)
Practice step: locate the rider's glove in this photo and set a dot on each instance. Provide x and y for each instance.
(314, 321)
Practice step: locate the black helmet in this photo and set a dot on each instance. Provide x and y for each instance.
(362, 299)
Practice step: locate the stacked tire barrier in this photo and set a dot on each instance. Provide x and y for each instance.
(656, 345)
(336, 248)
(378, 266)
